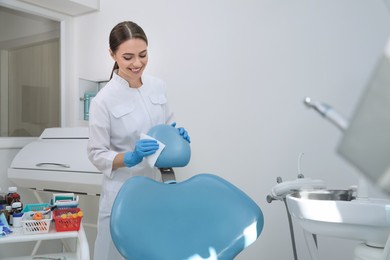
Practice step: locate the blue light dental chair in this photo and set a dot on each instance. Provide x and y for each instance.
(203, 217)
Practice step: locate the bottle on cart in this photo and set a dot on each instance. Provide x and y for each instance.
(2, 198)
(16, 209)
(17, 214)
(4, 211)
(12, 196)
(8, 209)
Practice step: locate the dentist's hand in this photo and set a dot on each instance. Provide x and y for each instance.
(143, 147)
(182, 132)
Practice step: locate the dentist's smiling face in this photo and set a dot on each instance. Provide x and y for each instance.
(131, 57)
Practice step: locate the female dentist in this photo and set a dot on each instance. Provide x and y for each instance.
(130, 104)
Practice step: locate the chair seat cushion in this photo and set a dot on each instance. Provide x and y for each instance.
(201, 218)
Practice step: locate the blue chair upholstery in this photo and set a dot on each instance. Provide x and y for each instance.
(203, 217)
(177, 151)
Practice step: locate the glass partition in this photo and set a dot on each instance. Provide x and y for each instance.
(29, 73)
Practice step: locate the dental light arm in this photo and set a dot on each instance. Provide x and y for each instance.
(328, 112)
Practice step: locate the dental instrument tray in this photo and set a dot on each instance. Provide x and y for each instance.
(65, 200)
(36, 207)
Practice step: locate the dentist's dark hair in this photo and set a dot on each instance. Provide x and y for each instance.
(122, 32)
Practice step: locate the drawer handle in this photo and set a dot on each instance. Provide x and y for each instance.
(53, 164)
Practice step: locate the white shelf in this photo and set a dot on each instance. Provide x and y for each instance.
(67, 256)
(82, 248)
(17, 236)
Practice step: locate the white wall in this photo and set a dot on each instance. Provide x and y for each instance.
(291, 45)
(237, 73)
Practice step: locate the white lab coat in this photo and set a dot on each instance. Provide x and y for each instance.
(117, 116)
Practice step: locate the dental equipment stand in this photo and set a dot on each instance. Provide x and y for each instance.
(362, 252)
(282, 189)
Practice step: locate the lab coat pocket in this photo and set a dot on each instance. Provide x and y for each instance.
(157, 108)
(124, 123)
(122, 110)
(158, 99)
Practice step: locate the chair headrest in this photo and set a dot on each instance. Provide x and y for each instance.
(177, 151)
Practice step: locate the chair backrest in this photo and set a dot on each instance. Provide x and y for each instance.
(204, 217)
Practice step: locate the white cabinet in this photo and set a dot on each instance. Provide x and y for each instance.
(69, 7)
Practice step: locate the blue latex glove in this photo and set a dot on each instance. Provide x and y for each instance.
(182, 132)
(143, 147)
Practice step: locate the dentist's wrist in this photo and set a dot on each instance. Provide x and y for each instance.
(131, 159)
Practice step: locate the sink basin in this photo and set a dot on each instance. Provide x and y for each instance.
(338, 213)
(334, 195)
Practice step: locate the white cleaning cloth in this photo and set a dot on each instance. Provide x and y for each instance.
(152, 159)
